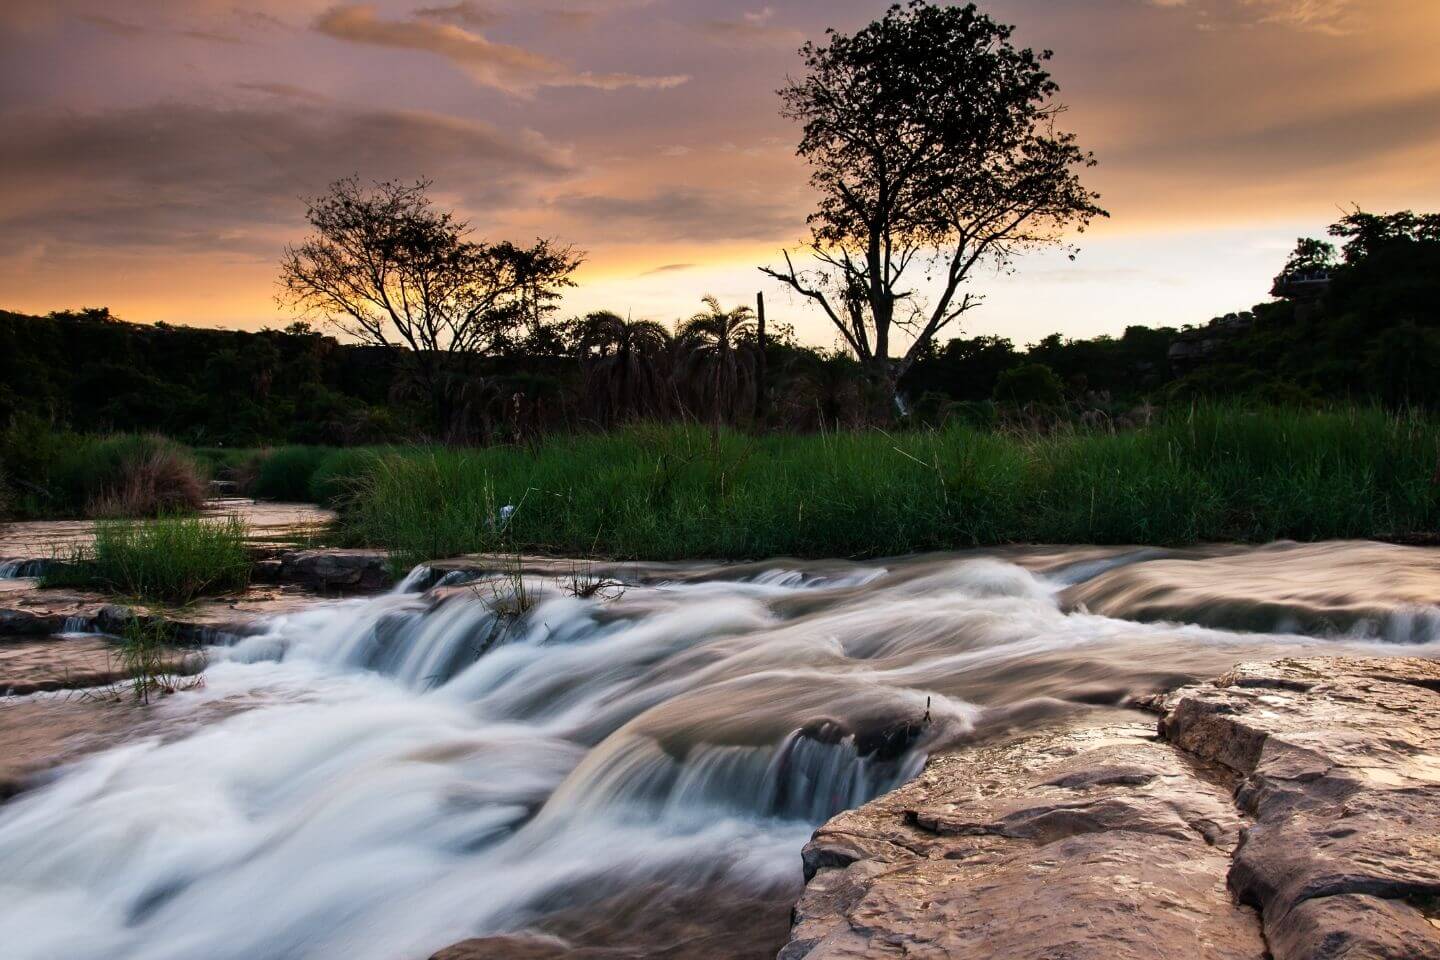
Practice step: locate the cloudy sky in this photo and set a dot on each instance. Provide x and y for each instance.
(155, 152)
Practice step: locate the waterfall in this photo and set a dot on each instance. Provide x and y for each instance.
(376, 778)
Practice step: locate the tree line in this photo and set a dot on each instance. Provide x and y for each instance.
(935, 150)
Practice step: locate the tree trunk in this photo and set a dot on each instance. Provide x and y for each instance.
(880, 389)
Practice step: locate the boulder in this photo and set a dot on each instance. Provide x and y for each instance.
(329, 570)
(1341, 767)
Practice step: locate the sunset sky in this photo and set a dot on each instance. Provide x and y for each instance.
(155, 152)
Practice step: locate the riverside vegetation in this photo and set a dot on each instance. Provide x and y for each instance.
(1206, 473)
(170, 559)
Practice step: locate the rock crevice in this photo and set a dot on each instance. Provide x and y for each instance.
(1286, 810)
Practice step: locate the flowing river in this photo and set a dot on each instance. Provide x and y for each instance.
(634, 764)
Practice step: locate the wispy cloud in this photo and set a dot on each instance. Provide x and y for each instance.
(1326, 16)
(467, 13)
(120, 28)
(287, 91)
(202, 178)
(752, 27)
(511, 69)
(682, 213)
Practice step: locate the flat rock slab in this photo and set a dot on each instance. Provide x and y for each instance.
(272, 525)
(646, 922)
(27, 610)
(1287, 810)
(1102, 843)
(35, 665)
(328, 570)
(41, 732)
(1340, 760)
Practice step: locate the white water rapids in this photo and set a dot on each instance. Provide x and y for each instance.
(375, 779)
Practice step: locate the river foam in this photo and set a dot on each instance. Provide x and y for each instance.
(393, 774)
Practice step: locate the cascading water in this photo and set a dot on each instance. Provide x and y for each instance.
(374, 779)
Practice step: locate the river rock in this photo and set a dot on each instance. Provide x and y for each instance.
(1101, 843)
(328, 570)
(1341, 767)
(1287, 810)
(525, 947)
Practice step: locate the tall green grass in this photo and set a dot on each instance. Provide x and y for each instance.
(668, 492)
(172, 559)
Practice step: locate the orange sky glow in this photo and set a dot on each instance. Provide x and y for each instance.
(157, 150)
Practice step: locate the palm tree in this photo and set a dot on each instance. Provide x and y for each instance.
(626, 367)
(718, 354)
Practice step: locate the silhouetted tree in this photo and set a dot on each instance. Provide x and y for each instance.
(1310, 255)
(386, 267)
(626, 366)
(934, 150)
(1366, 234)
(716, 361)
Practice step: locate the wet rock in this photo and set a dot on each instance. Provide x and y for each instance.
(26, 610)
(1099, 843)
(328, 571)
(41, 732)
(526, 947)
(51, 663)
(649, 922)
(1341, 767)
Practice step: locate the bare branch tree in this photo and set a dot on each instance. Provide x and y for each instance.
(385, 267)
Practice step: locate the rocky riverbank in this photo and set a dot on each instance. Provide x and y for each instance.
(1288, 809)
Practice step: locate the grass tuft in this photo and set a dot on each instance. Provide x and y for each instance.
(169, 560)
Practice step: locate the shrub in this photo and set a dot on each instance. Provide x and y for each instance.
(53, 473)
(150, 483)
(285, 472)
(1029, 383)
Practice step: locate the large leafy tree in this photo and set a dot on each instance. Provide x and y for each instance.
(934, 150)
(386, 267)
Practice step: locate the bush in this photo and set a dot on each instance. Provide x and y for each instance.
(53, 473)
(285, 472)
(1029, 383)
(173, 559)
(149, 483)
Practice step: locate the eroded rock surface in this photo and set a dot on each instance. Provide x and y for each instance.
(1101, 843)
(36, 665)
(27, 610)
(1287, 810)
(1341, 768)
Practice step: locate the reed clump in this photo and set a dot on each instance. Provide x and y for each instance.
(168, 560)
(50, 473)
